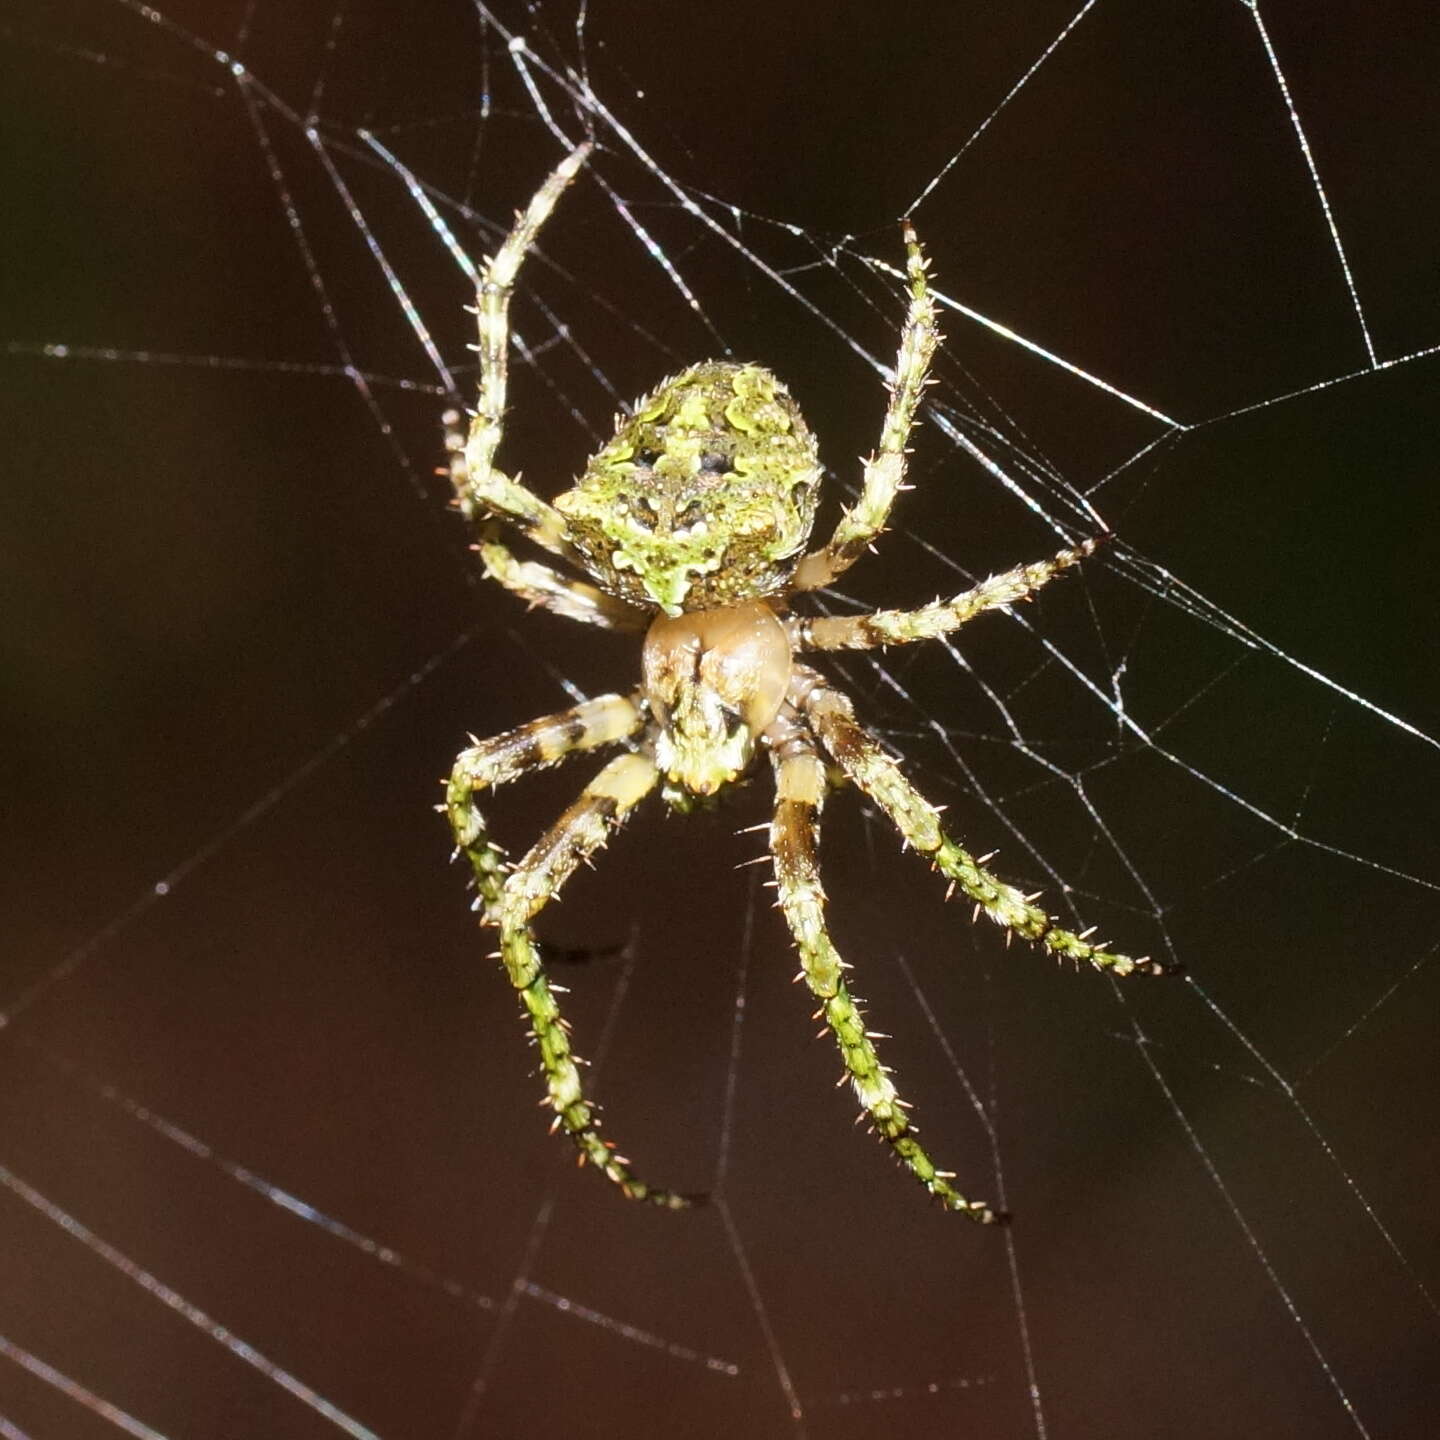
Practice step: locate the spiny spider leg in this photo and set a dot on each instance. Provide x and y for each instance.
(482, 489)
(603, 805)
(486, 493)
(540, 585)
(862, 522)
(591, 725)
(901, 627)
(534, 582)
(800, 785)
(861, 757)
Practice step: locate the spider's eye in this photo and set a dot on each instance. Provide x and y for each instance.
(714, 463)
(645, 459)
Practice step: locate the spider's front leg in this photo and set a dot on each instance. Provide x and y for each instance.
(862, 758)
(591, 725)
(800, 782)
(536, 880)
(862, 522)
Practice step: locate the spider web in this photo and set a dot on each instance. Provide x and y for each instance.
(270, 1163)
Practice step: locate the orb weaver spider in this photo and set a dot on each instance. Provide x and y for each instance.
(692, 522)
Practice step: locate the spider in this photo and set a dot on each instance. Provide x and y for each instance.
(693, 522)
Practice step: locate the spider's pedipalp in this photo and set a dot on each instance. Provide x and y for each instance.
(800, 785)
(878, 776)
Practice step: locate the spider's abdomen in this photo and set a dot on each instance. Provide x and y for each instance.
(715, 680)
(704, 498)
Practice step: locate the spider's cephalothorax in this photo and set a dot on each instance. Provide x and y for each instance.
(715, 681)
(691, 523)
(704, 498)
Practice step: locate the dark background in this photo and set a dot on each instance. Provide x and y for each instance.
(243, 639)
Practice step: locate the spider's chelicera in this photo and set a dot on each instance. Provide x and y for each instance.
(693, 523)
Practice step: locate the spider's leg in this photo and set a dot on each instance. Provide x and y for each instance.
(800, 784)
(861, 757)
(884, 474)
(534, 582)
(536, 880)
(606, 720)
(901, 627)
(538, 584)
(484, 491)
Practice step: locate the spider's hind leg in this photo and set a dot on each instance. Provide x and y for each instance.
(884, 476)
(485, 493)
(482, 489)
(800, 782)
(878, 776)
(534, 882)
